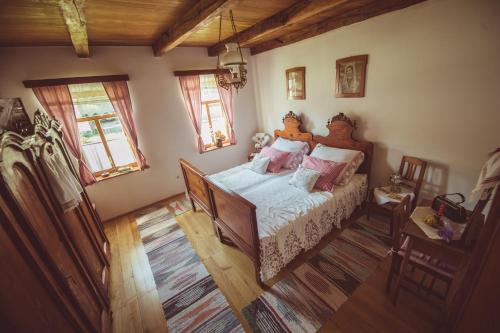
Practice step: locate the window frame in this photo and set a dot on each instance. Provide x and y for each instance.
(134, 166)
(207, 104)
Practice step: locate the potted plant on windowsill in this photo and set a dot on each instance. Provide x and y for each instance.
(219, 138)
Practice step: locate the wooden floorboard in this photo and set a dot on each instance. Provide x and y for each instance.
(136, 306)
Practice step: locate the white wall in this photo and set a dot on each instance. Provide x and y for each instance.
(432, 89)
(164, 130)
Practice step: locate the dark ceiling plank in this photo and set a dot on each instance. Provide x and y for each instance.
(74, 80)
(200, 72)
(300, 10)
(74, 17)
(200, 14)
(351, 16)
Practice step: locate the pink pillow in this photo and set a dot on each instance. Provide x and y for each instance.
(278, 158)
(329, 171)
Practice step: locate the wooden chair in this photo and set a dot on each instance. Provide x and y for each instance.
(399, 219)
(412, 171)
(431, 263)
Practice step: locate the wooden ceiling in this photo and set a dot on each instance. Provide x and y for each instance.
(165, 24)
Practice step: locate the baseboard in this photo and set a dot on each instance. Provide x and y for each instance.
(143, 207)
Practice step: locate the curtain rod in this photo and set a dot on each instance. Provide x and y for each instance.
(74, 80)
(200, 72)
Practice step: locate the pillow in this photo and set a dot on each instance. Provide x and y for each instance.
(352, 158)
(329, 171)
(297, 149)
(259, 164)
(278, 158)
(304, 179)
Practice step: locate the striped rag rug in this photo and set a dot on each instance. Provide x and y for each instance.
(307, 297)
(191, 300)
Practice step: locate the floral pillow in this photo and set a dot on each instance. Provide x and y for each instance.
(304, 179)
(277, 158)
(349, 171)
(329, 171)
(296, 158)
(352, 158)
(297, 150)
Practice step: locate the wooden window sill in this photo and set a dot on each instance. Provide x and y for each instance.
(116, 174)
(212, 148)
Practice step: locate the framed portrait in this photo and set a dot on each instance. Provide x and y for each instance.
(351, 76)
(296, 83)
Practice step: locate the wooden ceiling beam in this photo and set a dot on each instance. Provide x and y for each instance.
(300, 10)
(74, 17)
(200, 14)
(342, 19)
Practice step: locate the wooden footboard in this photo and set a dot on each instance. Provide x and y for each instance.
(236, 220)
(196, 186)
(234, 217)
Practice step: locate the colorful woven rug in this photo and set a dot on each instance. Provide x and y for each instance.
(181, 206)
(313, 292)
(191, 300)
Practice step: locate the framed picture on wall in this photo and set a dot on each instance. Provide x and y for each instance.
(351, 76)
(296, 83)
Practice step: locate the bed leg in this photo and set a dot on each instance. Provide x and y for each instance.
(261, 283)
(192, 204)
(218, 232)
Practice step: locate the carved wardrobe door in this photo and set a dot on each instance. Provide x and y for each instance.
(83, 224)
(38, 232)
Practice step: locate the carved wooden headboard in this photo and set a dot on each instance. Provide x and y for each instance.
(292, 130)
(340, 136)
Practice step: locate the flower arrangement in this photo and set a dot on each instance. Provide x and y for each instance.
(219, 138)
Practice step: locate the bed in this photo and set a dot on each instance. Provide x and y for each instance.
(266, 218)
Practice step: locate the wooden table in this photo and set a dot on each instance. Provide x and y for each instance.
(452, 253)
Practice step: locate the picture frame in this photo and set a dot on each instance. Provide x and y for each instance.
(351, 76)
(13, 116)
(296, 83)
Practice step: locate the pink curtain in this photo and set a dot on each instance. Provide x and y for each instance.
(191, 91)
(226, 97)
(120, 98)
(56, 100)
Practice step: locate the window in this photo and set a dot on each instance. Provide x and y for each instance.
(213, 122)
(105, 147)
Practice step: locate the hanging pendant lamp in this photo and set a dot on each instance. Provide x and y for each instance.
(231, 59)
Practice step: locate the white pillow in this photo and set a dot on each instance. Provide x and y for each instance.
(352, 158)
(259, 164)
(297, 149)
(304, 178)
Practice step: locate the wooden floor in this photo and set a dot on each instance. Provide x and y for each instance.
(136, 306)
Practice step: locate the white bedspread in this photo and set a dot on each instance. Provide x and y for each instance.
(290, 219)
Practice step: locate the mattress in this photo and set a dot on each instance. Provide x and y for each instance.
(288, 219)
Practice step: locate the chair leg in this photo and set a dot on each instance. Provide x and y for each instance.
(402, 271)
(431, 285)
(448, 285)
(421, 284)
(391, 228)
(395, 263)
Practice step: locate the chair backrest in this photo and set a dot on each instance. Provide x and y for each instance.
(412, 170)
(400, 217)
(475, 221)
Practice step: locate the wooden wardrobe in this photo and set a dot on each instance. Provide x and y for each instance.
(54, 265)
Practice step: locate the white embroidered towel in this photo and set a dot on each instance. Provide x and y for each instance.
(66, 187)
(489, 176)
